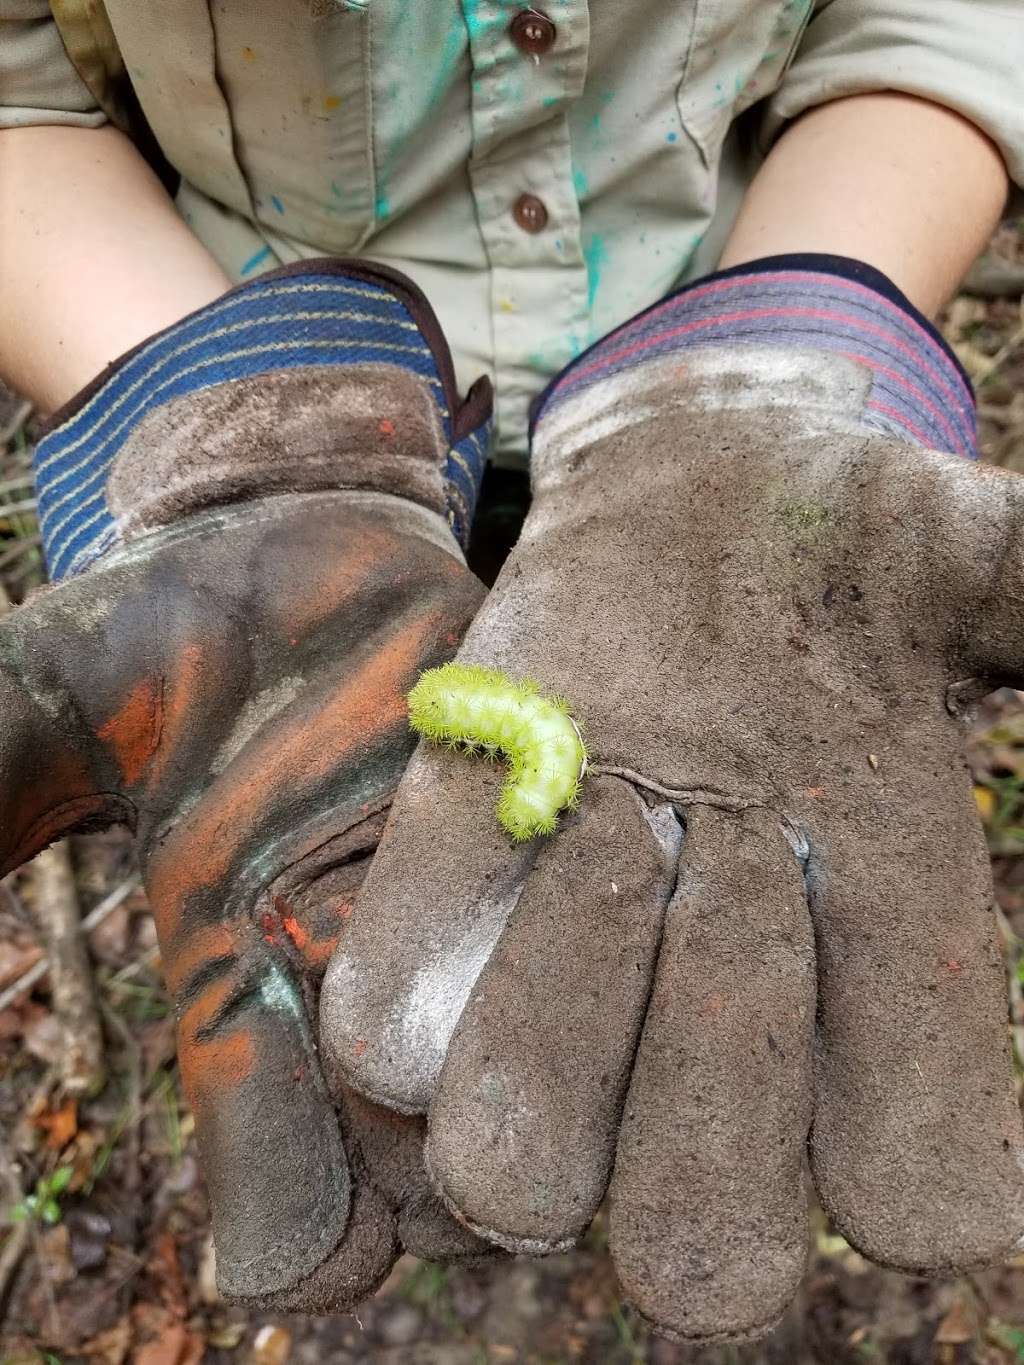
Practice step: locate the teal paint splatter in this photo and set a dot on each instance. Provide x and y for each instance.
(595, 254)
(672, 137)
(382, 208)
(255, 260)
(479, 25)
(277, 203)
(580, 183)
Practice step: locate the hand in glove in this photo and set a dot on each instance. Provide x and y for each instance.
(250, 515)
(768, 599)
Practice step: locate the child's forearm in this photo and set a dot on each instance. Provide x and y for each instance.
(908, 186)
(93, 257)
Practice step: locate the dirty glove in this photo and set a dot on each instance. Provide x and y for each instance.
(769, 600)
(249, 516)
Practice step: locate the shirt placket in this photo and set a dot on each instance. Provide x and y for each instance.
(528, 65)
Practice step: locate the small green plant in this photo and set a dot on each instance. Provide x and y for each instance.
(44, 1203)
(1007, 1336)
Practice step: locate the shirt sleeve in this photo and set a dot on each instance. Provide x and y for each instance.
(38, 83)
(965, 54)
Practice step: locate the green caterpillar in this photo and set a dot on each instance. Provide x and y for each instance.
(485, 711)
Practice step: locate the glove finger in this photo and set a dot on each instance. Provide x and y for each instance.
(389, 1147)
(916, 1146)
(523, 1124)
(269, 1141)
(708, 1211)
(356, 1268)
(432, 907)
(979, 538)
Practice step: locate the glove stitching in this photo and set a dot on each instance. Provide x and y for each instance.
(173, 534)
(714, 800)
(685, 796)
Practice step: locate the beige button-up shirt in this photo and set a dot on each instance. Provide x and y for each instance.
(543, 173)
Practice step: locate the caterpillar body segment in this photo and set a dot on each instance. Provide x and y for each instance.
(483, 710)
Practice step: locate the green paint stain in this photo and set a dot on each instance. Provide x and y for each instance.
(595, 254)
(805, 518)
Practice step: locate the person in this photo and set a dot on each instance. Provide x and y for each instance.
(694, 249)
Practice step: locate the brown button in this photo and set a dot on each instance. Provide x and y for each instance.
(530, 213)
(533, 33)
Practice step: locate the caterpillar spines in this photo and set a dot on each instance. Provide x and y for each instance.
(483, 711)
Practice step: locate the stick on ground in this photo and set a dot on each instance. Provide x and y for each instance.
(71, 985)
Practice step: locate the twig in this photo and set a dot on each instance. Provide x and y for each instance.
(14, 509)
(132, 1178)
(985, 373)
(95, 916)
(15, 908)
(20, 547)
(19, 417)
(16, 1244)
(1014, 986)
(71, 986)
(992, 277)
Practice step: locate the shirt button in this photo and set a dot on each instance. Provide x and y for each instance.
(530, 213)
(533, 33)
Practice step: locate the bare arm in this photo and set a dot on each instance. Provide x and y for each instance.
(905, 185)
(93, 257)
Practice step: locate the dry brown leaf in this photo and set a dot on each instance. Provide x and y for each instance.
(53, 1256)
(165, 1269)
(957, 1327)
(59, 1125)
(15, 960)
(272, 1347)
(110, 1347)
(175, 1345)
(43, 1036)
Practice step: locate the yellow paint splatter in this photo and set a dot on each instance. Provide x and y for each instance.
(248, 54)
(331, 102)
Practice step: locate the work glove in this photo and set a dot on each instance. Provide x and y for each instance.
(251, 520)
(768, 583)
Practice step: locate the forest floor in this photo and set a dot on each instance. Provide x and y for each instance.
(105, 1252)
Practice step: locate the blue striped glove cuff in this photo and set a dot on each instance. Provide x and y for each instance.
(324, 374)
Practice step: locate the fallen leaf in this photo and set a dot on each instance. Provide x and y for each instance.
(206, 1278)
(15, 960)
(43, 1037)
(985, 800)
(110, 1347)
(54, 1255)
(175, 1345)
(957, 1327)
(226, 1335)
(272, 1346)
(165, 1268)
(59, 1125)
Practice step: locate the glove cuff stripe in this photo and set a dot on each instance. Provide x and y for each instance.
(919, 390)
(322, 318)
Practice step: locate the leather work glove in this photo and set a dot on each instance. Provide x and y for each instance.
(250, 517)
(768, 599)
